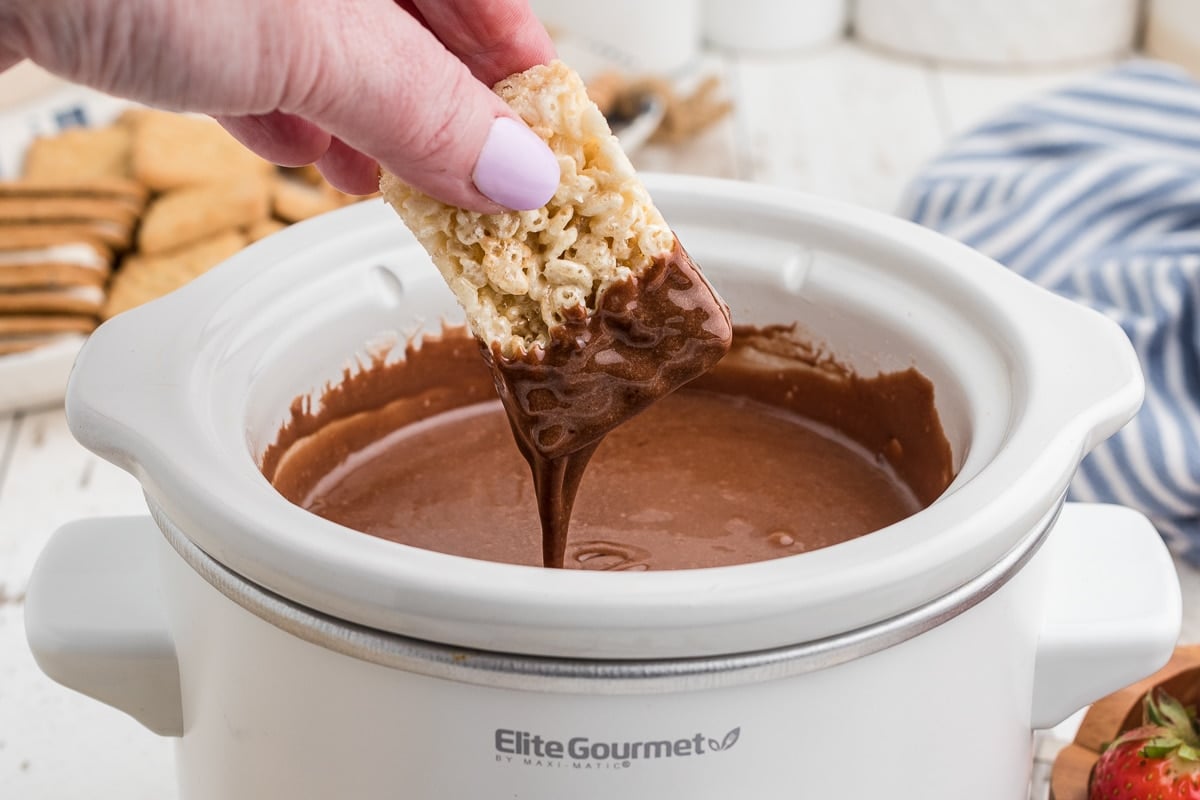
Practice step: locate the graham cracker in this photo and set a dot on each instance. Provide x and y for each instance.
(98, 188)
(86, 300)
(144, 278)
(18, 325)
(29, 276)
(114, 235)
(175, 150)
(131, 116)
(184, 216)
(10, 345)
(42, 210)
(29, 237)
(295, 200)
(264, 228)
(33, 256)
(79, 154)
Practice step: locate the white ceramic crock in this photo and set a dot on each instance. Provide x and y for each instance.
(1000, 33)
(763, 26)
(297, 659)
(1173, 32)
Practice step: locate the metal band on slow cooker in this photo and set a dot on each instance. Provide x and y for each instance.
(548, 674)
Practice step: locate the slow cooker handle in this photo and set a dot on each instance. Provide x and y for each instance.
(95, 619)
(1113, 609)
(1090, 377)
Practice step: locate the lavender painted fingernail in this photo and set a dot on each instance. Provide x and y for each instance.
(516, 168)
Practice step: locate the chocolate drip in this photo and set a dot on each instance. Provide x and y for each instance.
(647, 337)
(599, 554)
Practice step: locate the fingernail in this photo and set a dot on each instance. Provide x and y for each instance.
(516, 168)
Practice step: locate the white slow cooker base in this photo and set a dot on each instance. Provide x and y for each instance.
(262, 707)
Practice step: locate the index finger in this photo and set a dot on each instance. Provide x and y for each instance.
(494, 38)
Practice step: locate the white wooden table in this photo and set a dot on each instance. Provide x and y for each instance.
(842, 122)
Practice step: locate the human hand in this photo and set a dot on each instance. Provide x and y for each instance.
(349, 85)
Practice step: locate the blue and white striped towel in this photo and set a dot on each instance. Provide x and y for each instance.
(1094, 193)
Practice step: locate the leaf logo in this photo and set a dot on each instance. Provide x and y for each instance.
(729, 741)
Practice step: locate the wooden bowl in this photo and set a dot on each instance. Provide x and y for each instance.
(1119, 712)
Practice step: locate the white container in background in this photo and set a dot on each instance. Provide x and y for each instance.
(1000, 32)
(771, 26)
(1173, 32)
(659, 36)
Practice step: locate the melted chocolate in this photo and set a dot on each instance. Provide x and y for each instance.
(647, 337)
(776, 451)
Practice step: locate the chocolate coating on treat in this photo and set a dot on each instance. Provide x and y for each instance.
(647, 337)
(776, 451)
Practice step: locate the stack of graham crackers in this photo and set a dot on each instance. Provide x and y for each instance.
(105, 219)
(57, 244)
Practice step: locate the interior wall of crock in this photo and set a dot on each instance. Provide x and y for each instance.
(360, 312)
(856, 305)
(862, 308)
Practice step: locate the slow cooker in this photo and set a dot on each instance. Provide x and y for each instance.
(293, 658)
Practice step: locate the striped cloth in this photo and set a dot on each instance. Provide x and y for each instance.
(1094, 193)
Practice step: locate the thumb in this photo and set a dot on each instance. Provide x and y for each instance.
(385, 86)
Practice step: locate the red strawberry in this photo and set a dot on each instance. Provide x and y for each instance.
(1158, 761)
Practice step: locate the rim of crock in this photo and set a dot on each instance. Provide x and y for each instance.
(600, 676)
(143, 392)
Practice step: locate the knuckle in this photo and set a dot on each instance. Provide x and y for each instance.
(443, 114)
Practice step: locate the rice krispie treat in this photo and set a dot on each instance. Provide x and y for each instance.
(588, 309)
(521, 274)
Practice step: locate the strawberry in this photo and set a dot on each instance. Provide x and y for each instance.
(1158, 761)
